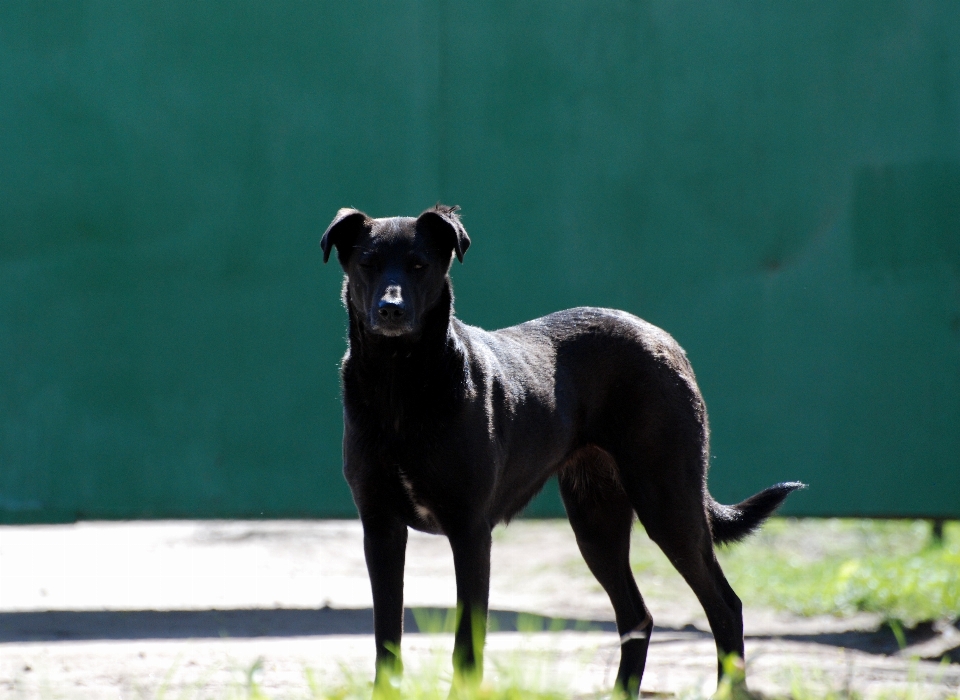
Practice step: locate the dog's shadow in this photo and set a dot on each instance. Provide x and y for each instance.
(69, 625)
(79, 625)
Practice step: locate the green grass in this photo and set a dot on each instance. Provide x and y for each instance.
(431, 683)
(428, 686)
(838, 567)
(844, 566)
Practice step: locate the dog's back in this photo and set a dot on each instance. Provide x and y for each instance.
(584, 377)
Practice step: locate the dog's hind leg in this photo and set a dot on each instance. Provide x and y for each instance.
(698, 565)
(667, 495)
(602, 517)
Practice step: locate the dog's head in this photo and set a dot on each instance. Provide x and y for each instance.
(396, 268)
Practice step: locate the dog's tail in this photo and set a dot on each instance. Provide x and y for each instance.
(733, 523)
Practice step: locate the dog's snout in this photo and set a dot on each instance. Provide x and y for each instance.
(390, 310)
(391, 306)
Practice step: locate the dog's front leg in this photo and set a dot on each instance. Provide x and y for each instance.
(471, 560)
(385, 547)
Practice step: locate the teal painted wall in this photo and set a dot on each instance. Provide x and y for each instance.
(778, 185)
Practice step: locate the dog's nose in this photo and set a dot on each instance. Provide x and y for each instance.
(391, 310)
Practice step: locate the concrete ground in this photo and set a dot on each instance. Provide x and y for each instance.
(195, 609)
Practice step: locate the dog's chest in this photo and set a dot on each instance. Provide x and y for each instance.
(400, 404)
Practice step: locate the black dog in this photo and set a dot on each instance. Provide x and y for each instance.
(451, 429)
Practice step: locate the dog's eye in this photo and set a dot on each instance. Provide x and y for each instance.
(418, 265)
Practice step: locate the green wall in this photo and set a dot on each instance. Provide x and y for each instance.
(776, 184)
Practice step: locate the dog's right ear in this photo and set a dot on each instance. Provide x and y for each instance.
(445, 221)
(342, 232)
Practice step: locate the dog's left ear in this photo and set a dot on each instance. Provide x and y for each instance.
(342, 232)
(445, 221)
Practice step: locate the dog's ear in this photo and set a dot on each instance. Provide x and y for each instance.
(445, 221)
(342, 232)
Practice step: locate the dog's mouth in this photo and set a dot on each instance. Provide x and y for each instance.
(390, 329)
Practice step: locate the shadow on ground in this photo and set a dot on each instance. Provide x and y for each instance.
(77, 625)
(74, 625)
